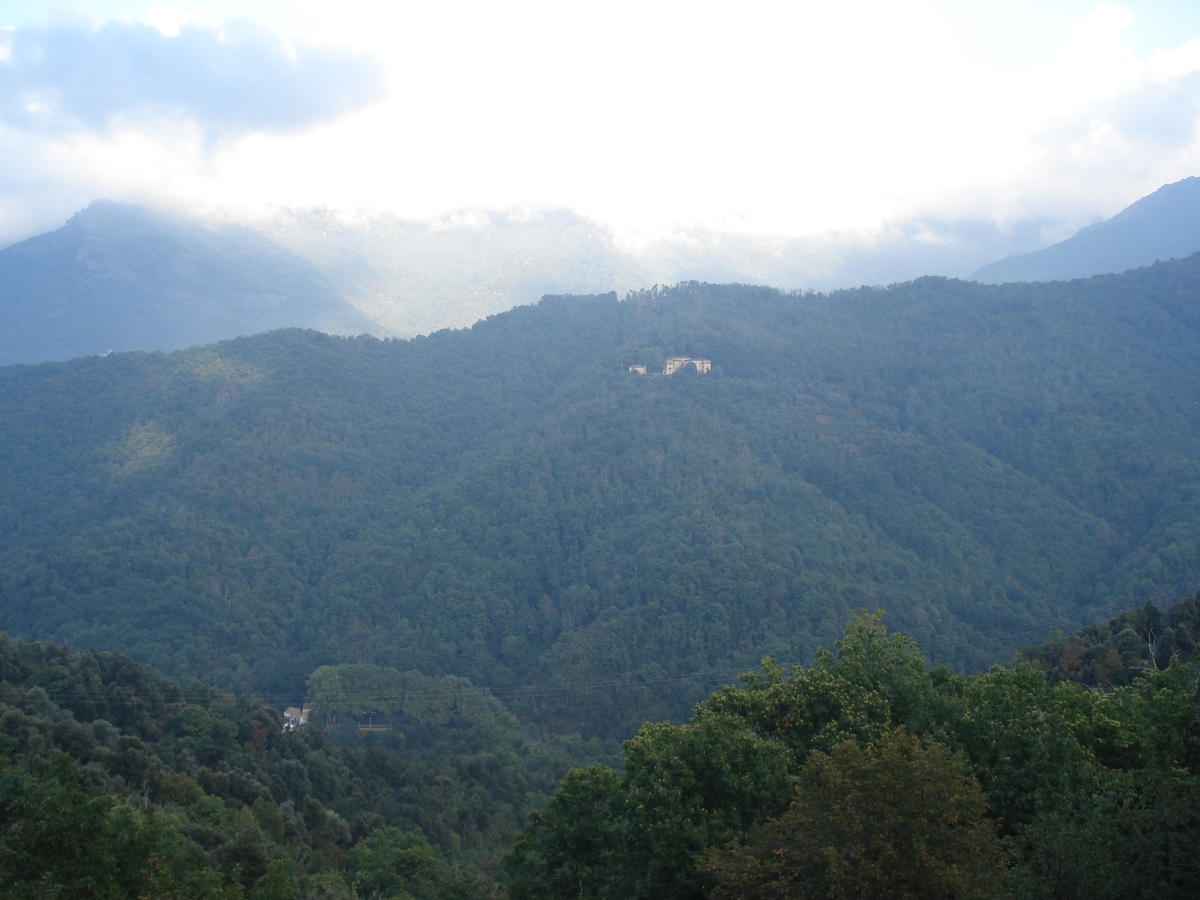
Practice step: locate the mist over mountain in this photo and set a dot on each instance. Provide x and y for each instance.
(416, 276)
(900, 251)
(1163, 225)
(120, 277)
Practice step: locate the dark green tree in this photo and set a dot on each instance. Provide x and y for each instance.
(692, 787)
(901, 820)
(56, 840)
(393, 864)
(572, 850)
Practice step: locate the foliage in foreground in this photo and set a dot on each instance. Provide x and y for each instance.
(863, 775)
(866, 775)
(1116, 652)
(902, 817)
(115, 782)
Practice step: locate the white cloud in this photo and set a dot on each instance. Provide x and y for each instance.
(170, 20)
(1165, 65)
(236, 80)
(1111, 127)
(771, 117)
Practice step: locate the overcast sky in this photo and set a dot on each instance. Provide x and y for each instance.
(766, 117)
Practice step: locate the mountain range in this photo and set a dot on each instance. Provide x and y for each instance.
(119, 277)
(510, 504)
(415, 277)
(485, 561)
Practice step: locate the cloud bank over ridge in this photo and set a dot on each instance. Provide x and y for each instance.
(905, 123)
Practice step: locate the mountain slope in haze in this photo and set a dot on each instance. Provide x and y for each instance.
(416, 277)
(1163, 225)
(509, 504)
(119, 277)
(898, 251)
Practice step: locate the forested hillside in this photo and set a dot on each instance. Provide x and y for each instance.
(510, 505)
(862, 775)
(116, 782)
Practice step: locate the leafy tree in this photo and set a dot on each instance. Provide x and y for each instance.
(396, 865)
(573, 849)
(1033, 744)
(277, 883)
(56, 840)
(899, 820)
(1114, 653)
(1131, 830)
(691, 787)
(873, 683)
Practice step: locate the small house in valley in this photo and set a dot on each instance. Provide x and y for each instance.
(294, 719)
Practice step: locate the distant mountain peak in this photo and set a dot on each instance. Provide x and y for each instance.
(1160, 226)
(117, 276)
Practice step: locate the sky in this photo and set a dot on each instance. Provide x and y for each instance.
(782, 118)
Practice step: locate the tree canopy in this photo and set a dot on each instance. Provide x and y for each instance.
(868, 775)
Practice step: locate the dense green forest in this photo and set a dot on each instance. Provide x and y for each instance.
(1114, 653)
(509, 505)
(116, 782)
(865, 775)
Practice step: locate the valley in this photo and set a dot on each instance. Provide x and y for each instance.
(504, 568)
(649, 451)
